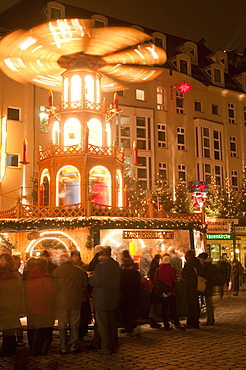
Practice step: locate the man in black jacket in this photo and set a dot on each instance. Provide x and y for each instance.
(189, 273)
(105, 281)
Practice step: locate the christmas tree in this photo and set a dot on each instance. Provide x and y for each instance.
(213, 201)
(241, 209)
(162, 194)
(137, 194)
(228, 200)
(182, 203)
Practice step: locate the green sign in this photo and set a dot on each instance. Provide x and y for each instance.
(218, 236)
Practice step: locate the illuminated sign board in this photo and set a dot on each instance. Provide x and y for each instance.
(218, 236)
(148, 234)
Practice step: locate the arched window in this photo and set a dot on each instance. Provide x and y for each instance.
(100, 187)
(119, 188)
(65, 89)
(72, 132)
(56, 133)
(75, 89)
(67, 186)
(95, 132)
(89, 88)
(98, 91)
(44, 189)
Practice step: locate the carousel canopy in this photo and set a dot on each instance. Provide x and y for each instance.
(41, 54)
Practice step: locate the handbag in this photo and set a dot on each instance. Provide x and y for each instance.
(201, 282)
(161, 289)
(148, 285)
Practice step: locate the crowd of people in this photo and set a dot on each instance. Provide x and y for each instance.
(109, 292)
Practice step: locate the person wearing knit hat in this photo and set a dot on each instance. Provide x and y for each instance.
(167, 275)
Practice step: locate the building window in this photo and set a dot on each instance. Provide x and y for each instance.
(182, 172)
(12, 160)
(140, 94)
(218, 175)
(142, 172)
(215, 109)
(217, 145)
(99, 21)
(198, 106)
(13, 114)
(217, 75)
(141, 133)
(234, 180)
(161, 98)
(231, 113)
(207, 173)
(233, 146)
(179, 102)
(183, 66)
(125, 132)
(206, 142)
(43, 120)
(181, 138)
(162, 143)
(163, 171)
(55, 10)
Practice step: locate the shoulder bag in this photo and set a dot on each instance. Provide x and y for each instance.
(201, 282)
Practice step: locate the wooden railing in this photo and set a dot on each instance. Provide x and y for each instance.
(94, 209)
(56, 150)
(83, 104)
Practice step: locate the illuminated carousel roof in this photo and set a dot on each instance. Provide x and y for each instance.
(41, 54)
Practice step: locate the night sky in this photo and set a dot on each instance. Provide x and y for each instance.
(221, 22)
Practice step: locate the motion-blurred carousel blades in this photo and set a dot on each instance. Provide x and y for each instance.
(131, 73)
(40, 55)
(110, 84)
(31, 56)
(110, 39)
(145, 54)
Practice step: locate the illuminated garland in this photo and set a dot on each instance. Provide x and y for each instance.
(71, 223)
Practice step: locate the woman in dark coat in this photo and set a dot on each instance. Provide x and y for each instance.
(130, 294)
(11, 303)
(40, 302)
(235, 277)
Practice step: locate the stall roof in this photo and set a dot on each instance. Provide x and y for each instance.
(71, 223)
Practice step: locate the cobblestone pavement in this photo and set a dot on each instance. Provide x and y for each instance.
(221, 346)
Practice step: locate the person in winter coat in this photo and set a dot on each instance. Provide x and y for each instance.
(71, 282)
(85, 312)
(130, 294)
(145, 261)
(192, 295)
(224, 269)
(40, 303)
(154, 300)
(166, 274)
(11, 304)
(105, 281)
(209, 273)
(236, 272)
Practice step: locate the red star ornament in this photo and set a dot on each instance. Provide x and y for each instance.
(184, 87)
